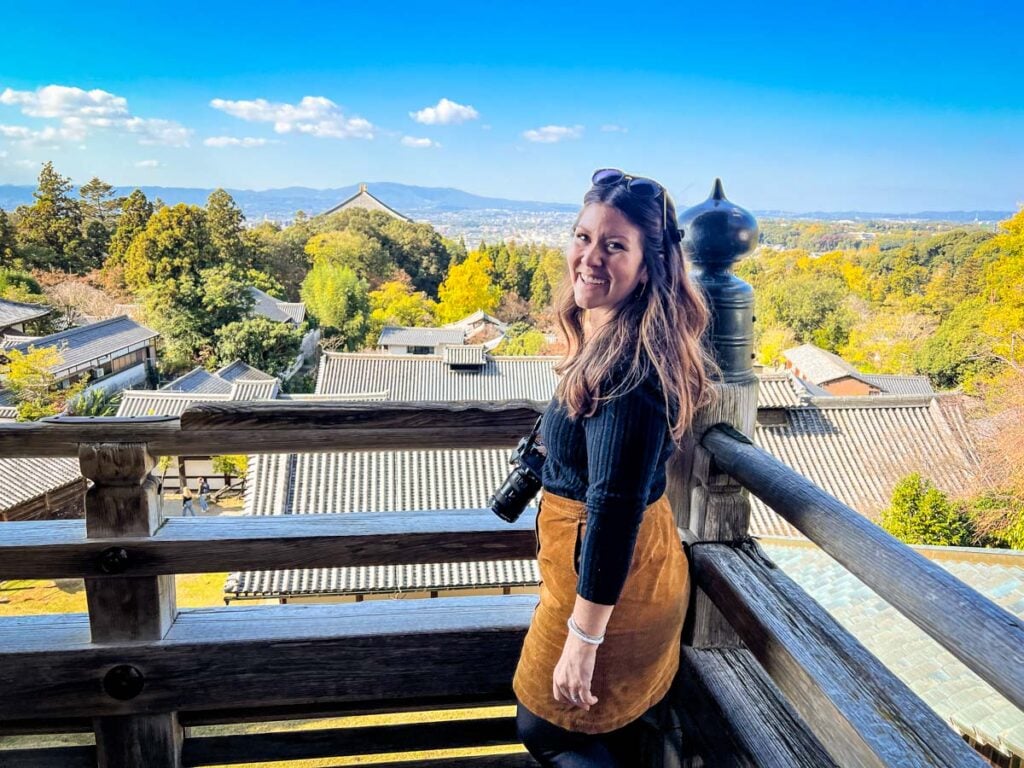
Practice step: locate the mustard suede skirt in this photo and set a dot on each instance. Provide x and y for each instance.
(639, 658)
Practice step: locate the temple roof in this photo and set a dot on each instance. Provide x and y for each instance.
(363, 199)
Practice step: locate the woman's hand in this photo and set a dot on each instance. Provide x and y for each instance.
(573, 673)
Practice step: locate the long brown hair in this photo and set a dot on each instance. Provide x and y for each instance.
(661, 325)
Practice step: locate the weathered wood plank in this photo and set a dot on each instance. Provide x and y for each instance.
(985, 637)
(734, 715)
(60, 549)
(303, 428)
(279, 655)
(122, 502)
(859, 710)
(718, 508)
(322, 710)
(345, 742)
(52, 757)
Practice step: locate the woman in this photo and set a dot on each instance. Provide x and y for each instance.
(603, 644)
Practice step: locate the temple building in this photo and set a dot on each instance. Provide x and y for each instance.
(363, 199)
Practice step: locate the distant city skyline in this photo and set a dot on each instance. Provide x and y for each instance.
(892, 107)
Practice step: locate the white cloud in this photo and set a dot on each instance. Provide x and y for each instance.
(148, 164)
(3, 154)
(313, 115)
(415, 143)
(446, 112)
(612, 128)
(32, 164)
(233, 141)
(79, 112)
(549, 134)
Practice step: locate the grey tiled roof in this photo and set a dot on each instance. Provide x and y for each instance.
(780, 389)
(858, 448)
(239, 370)
(14, 312)
(82, 346)
(22, 480)
(465, 354)
(200, 381)
(946, 685)
(11, 340)
(279, 311)
(854, 448)
(427, 377)
(818, 365)
(899, 385)
(419, 337)
(476, 317)
(8, 413)
(363, 199)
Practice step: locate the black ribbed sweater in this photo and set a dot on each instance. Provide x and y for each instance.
(615, 462)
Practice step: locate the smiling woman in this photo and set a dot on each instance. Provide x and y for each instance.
(613, 570)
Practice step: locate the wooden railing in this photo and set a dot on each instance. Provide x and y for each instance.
(139, 670)
(766, 677)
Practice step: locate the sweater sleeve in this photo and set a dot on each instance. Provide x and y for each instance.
(624, 440)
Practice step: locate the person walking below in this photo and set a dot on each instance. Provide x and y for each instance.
(204, 495)
(186, 502)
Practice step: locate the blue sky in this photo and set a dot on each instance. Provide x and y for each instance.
(885, 106)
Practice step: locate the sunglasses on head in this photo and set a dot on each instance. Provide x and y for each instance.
(637, 185)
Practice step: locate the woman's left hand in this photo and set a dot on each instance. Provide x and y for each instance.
(574, 672)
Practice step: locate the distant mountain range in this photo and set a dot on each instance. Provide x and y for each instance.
(438, 204)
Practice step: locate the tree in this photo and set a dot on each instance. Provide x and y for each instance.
(771, 342)
(53, 224)
(340, 301)
(8, 250)
(922, 514)
(276, 253)
(887, 341)
(135, 213)
(361, 253)
(547, 277)
(260, 342)
(99, 203)
(396, 303)
(468, 288)
(224, 220)
(20, 286)
(232, 465)
(95, 402)
(29, 378)
(175, 245)
(521, 339)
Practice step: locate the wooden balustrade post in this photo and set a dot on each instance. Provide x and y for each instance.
(717, 508)
(123, 502)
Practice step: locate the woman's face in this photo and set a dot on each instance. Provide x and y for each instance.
(606, 260)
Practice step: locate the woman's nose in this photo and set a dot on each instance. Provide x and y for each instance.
(591, 254)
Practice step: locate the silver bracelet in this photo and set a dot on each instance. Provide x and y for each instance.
(591, 639)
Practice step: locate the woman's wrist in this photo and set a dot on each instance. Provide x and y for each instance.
(585, 637)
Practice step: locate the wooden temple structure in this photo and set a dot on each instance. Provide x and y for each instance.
(767, 677)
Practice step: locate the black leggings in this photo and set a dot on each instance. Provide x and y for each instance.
(555, 747)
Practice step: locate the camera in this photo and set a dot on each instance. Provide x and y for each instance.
(523, 482)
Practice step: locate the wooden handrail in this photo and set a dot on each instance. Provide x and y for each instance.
(987, 638)
(858, 709)
(59, 549)
(266, 655)
(261, 427)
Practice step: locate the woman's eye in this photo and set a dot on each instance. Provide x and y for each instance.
(614, 246)
(580, 236)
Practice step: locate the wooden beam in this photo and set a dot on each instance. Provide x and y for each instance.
(122, 502)
(348, 742)
(49, 757)
(734, 715)
(60, 549)
(287, 428)
(985, 637)
(269, 656)
(859, 710)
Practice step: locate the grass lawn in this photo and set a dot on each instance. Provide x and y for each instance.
(202, 590)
